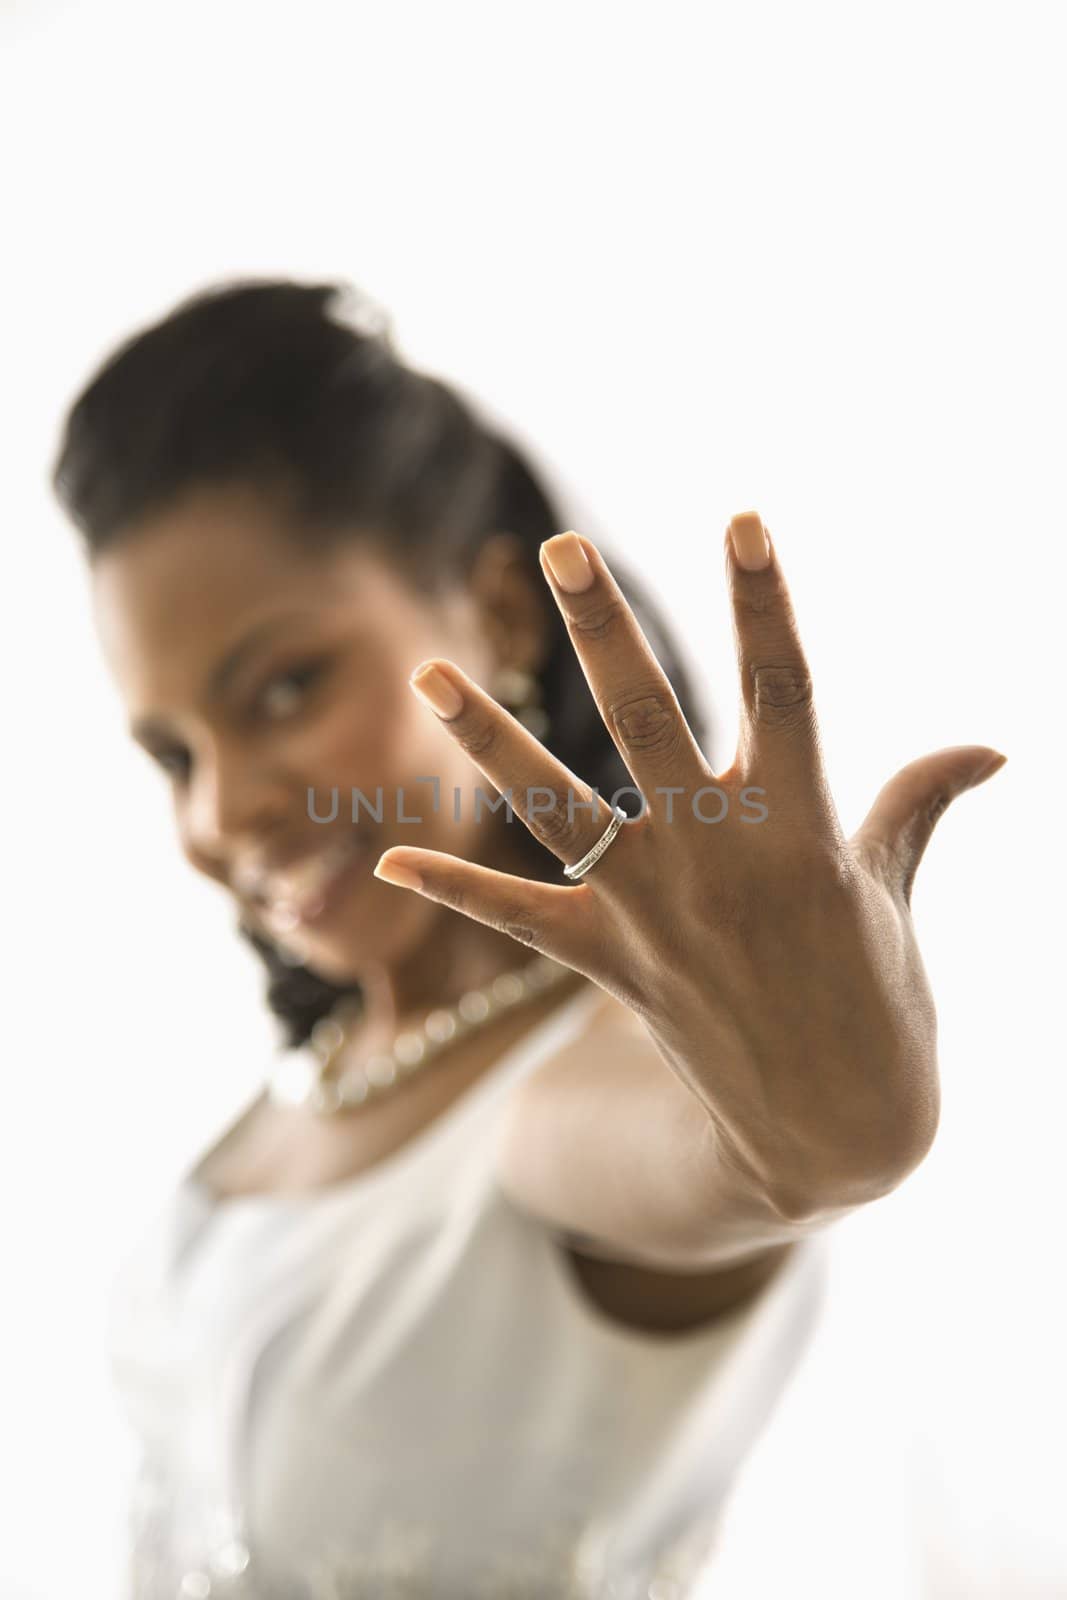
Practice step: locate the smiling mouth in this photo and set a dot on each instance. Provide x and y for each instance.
(296, 894)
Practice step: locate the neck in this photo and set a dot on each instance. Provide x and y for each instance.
(457, 954)
(442, 968)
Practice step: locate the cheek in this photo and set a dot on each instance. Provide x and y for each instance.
(388, 738)
(196, 858)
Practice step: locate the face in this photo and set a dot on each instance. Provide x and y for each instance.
(253, 671)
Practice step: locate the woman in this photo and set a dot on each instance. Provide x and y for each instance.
(492, 1286)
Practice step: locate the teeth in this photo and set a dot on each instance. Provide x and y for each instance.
(286, 890)
(283, 917)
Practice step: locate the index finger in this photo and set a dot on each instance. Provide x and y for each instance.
(633, 694)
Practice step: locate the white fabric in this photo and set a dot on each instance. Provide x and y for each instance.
(396, 1386)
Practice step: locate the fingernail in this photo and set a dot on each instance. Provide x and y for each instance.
(750, 542)
(568, 562)
(994, 766)
(393, 872)
(437, 691)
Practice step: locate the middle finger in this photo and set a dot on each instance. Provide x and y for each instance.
(635, 697)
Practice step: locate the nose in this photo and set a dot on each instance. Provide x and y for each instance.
(228, 801)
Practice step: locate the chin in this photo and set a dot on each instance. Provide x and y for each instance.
(343, 953)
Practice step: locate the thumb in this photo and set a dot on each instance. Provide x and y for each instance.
(897, 829)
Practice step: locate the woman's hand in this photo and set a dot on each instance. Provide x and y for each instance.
(772, 960)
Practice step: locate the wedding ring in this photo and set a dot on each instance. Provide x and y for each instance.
(580, 868)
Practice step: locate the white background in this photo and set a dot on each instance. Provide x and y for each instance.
(702, 258)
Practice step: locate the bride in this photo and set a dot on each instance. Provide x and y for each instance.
(490, 1288)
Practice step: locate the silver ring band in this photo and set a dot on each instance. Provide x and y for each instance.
(580, 868)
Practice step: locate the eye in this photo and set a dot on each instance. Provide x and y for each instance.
(175, 763)
(284, 693)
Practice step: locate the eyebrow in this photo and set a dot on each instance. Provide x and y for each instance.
(225, 670)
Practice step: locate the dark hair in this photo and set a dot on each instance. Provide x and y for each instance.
(301, 387)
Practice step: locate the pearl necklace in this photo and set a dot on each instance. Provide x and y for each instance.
(301, 1076)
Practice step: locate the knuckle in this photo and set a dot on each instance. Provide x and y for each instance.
(478, 738)
(783, 695)
(891, 862)
(879, 856)
(937, 807)
(519, 923)
(598, 620)
(553, 826)
(821, 879)
(646, 722)
(756, 601)
(792, 1203)
(451, 894)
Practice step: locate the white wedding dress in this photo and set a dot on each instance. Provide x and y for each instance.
(396, 1386)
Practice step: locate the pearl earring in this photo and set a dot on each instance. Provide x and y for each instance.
(520, 693)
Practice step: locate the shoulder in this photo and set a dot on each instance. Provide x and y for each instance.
(609, 1043)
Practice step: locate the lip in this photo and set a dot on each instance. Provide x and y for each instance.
(289, 888)
(319, 906)
(307, 910)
